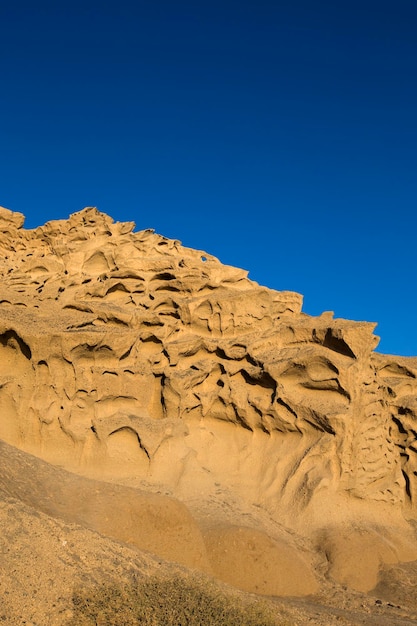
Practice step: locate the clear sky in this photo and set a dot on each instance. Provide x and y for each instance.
(279, 136)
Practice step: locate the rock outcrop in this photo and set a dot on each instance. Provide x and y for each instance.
(129, 358)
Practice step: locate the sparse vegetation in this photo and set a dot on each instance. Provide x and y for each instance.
(167, 602)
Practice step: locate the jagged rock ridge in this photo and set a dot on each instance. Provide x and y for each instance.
(126, 356)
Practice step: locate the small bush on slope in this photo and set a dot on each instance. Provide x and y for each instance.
(166, 602)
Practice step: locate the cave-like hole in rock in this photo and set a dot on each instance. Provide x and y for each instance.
(11, 338)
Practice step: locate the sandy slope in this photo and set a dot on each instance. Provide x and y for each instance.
(45, 556)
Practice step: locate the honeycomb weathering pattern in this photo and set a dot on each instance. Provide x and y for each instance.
(126, 353)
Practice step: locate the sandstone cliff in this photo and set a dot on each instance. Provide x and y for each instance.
(281, 441)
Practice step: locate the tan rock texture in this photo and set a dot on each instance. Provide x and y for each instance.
(265, 433)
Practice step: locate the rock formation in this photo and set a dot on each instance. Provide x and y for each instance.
(128, 358)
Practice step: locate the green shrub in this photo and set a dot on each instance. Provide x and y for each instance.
(166, 602)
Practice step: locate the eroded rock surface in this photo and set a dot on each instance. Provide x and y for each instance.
(128, 357)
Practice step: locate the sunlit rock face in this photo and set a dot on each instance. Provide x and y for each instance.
(126, 355)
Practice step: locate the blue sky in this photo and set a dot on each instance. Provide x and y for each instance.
(279, 136)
